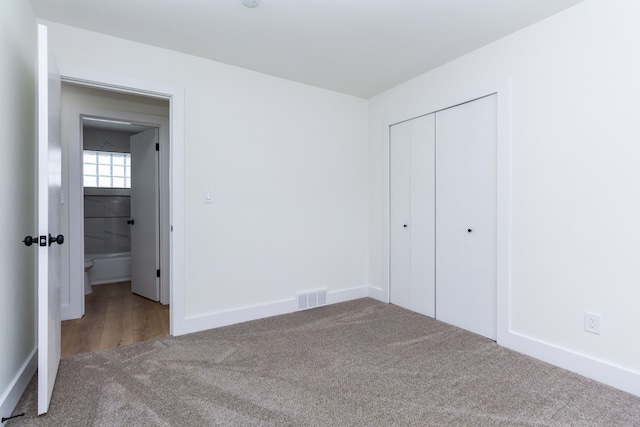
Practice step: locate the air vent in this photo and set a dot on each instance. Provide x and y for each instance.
(312, 299)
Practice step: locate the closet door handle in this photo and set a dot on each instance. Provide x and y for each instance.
(59, 239)
(405, 225)
(131, 222)
(469, 231)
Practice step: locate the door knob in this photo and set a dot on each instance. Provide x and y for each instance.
(405, 226)
(469, 230)
(35, 240)
(28, 241)
(131, 221)
(59, 239)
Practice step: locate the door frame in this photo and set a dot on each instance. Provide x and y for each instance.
(174, 181)
(502, 90)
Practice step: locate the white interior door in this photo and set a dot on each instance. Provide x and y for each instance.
(411, 186)
(399, 214)
(466, 216)
(145, 215)
(48, 184)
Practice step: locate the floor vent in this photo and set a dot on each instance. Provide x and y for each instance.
(312, 299)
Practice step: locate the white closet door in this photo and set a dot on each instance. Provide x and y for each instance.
(422, 228)
(412, 240)
(466, 216)
(399, 214)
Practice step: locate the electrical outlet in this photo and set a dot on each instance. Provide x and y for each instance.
(592, 322)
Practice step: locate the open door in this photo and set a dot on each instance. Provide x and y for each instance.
(48, 202)
(145, 248)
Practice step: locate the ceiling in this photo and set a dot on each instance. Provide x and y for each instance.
(357, 47)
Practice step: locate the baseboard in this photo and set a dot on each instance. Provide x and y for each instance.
(378, 294)
(345, 295)
(12, 395)
(598, 370)
(114, 280)
(245, 314)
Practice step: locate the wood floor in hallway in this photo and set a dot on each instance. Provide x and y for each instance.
(114, 316)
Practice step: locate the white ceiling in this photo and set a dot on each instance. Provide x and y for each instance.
(358, 47)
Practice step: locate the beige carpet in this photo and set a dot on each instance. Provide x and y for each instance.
(361, 363)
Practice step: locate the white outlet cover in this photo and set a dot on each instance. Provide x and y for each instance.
(592, 322)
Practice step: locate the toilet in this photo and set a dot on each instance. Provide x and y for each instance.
(88, 264)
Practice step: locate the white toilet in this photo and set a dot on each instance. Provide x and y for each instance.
(88, 264)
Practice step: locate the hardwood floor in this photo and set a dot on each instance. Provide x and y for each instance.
(114, 317)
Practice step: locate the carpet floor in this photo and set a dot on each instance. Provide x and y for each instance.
(359, 363)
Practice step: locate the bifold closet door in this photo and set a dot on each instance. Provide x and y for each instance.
(412, 215)
(466, 216)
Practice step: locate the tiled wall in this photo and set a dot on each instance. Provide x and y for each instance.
(106, 212)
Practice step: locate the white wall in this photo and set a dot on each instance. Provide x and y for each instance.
(575, 179)
(288, 165)
(17, 121)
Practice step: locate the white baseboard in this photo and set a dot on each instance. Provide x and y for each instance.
(336, 297)
(598, 370)
(378, 294)
(245, 314)
(113, 280)
(12, 395)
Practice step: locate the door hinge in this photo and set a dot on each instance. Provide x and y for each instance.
(157, 146)
(157, 273)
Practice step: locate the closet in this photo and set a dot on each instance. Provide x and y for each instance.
(442, 223)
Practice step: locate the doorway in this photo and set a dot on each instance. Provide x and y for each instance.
(112, 129)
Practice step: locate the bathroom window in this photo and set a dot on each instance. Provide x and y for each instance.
(105, 169)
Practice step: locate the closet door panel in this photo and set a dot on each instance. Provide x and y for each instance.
(422, 227)
(399, 214)
(466, 216)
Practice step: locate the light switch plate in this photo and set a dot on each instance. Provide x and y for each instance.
(208, 195)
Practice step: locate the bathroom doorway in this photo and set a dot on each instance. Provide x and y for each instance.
(122, 221)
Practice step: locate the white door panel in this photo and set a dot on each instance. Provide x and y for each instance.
(399, 214)
(412, 241)
(48, 184)
(144, 214)
(466, 200)
(423, 215)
